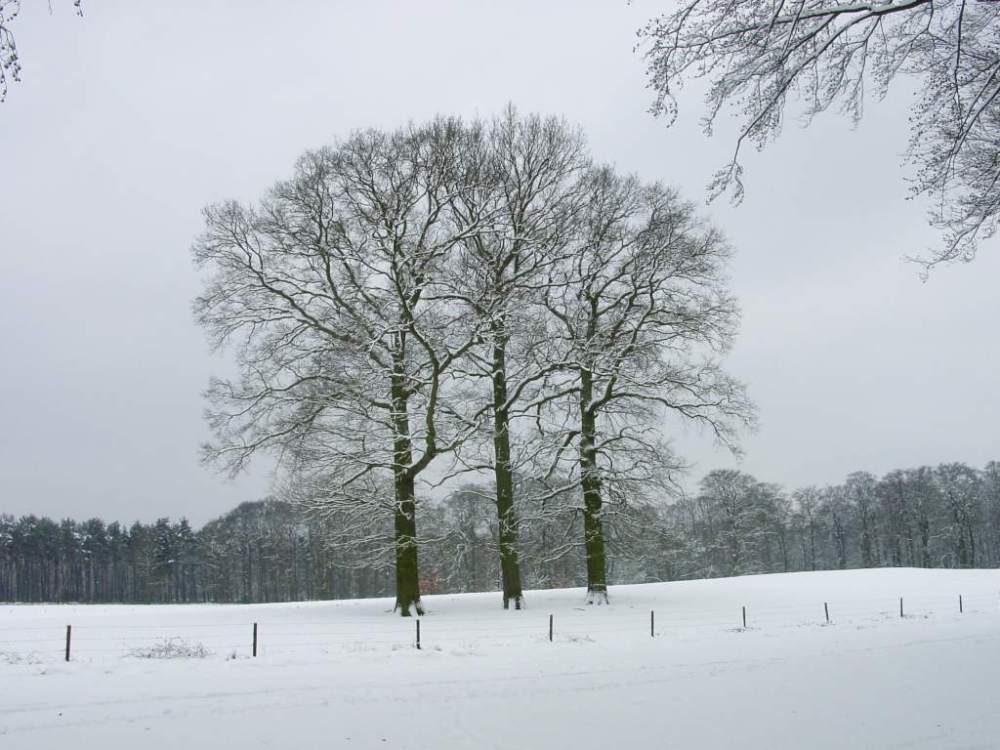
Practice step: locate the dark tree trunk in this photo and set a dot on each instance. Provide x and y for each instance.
(590, 482)
(405, 515)
(510, 569)
(407, 572)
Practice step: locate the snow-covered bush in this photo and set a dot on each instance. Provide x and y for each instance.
(171, 648)
(13, 657)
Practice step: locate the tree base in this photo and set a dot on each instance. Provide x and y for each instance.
(597, 596)
(404, 608)
(518, 601)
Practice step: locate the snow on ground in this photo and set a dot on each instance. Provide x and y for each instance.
(346, 674)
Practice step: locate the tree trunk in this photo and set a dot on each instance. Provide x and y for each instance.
(407, 572)
(590, 482)
(405, 515)
(510, 569)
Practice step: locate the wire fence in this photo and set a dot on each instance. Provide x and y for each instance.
(243, 639)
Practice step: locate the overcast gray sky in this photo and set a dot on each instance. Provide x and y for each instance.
(131, 119)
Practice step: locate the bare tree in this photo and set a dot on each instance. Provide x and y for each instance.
(805, 516)
(758, 52)
(860, 488)
(637, 313)
(523, 204)
(991, 508)
(961, 490)
(895, 514)
(748, 516)
(346, 355)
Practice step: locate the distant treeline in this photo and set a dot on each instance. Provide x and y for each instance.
(946, 516)
(930, 517)
(258, 552)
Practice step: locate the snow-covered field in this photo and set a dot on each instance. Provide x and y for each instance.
(346, 674)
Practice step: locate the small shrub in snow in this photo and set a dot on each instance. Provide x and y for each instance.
(171, 648)
(361, 647)
(13, 657)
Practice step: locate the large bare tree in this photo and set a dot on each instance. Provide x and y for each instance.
(638, 313)
(756, 53)
(346, 355)
(523, 203)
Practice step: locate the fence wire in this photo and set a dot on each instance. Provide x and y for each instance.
(22, 644)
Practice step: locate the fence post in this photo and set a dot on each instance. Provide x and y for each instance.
(69, 633)
(550, 628)
(255, 640)
(744, 617)
(960, 610)
(652, 630)
(418, 634)
(826, 611)
(900, 606)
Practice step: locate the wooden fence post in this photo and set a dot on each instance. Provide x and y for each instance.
(652, 630)
(826, 611)
(744, 617)
(418, 634)
(255, 640)
(900, 606)
(550, 628)
(960, 610)
(69, 634)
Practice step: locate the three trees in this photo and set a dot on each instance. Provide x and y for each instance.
(477, 293)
